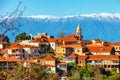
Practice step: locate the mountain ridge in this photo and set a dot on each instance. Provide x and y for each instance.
(104, 26)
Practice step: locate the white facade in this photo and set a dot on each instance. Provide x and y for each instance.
(35, 44)
(14, 51)
(1, 46)
(52, 45)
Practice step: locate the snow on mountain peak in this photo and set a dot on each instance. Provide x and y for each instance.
(43, 16)
(105, 15)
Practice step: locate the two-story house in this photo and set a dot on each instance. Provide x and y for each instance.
(106, 61)
(49, 62)
(100, 49)
(65, 50)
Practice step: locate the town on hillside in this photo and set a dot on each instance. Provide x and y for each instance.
(57, 56)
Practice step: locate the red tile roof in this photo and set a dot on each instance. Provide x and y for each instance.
(82, 57)
(3, 51)
(9, 59)
(3, 42)
(72, 46)
(48, 58)
(99, 48)
(46, 39)
(70, 38)
(19, 46)
(103, 57)
(72, 56)
(116, 44)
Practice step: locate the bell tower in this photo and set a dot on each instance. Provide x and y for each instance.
(78, 32)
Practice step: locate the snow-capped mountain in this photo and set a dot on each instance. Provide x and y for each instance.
(104, 26)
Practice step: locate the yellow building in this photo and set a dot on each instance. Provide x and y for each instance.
(65, 50)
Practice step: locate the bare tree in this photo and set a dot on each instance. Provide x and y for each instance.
(11, 21)
(61, 34)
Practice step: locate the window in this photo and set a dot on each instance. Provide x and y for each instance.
(80, 61)
(13, 51)
(49, 69)
(52, 44)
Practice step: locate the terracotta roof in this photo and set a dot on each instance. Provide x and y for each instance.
(3, 42)
(103, 57)
(51, 40)
(70, 38)
(48, 58)
(18, 46)
(72, 56)
(82, 57)
(3, 51)
(99, 48)
(72, 46)
(15, 46)
(9, 59)
(116, 44)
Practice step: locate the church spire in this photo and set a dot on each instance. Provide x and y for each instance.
(78, 30)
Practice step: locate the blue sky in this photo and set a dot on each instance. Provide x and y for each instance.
(61, 7)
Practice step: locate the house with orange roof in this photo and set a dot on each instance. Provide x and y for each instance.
(49, 62)
(70, 58)
(70, 39)
(23, 51)
(30, 51)
(16, 50)
(8, 62)
(100, 49)
(64, 50)
(106, 61)
(44, 43)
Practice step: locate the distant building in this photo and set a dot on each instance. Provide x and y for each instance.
(40, 35)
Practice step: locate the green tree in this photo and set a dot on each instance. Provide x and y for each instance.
(4, 38)
(21, 37)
